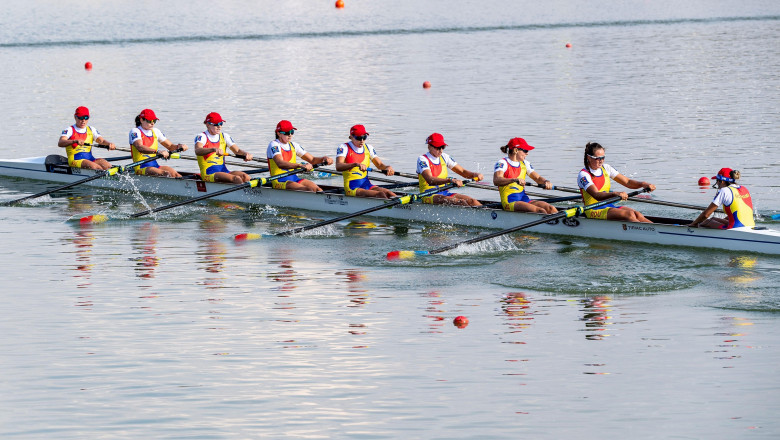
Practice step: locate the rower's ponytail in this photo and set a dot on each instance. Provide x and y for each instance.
(589, 149)
(138, 121)
(504, 149)
(734, 174)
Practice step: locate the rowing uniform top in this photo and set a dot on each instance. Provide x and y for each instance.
(221, 141)
(79, 152)
(601, 177)
(289, 152)
(428, 162)
(151, 138)
(354, 178)
(737, 204)
(513, 170)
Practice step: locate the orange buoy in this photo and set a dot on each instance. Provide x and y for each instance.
(88, 66)
(427, 85)
(460, 321)
(339, 4)
(568, 44)
(704, 181)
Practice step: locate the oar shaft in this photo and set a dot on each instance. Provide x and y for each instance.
(251, 183)
(396, 201)
(567, 213)
(650, 201)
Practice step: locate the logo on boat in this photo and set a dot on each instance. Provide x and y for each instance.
(570, 221)
(201, 185)
(331, 199)
(638, 228)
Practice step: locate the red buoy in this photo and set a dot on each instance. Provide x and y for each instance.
(427, 85)
(88, 65)
(704, 181)
(339, 4)
(568, 44)
(460, 321)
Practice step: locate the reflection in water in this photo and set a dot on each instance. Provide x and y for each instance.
(83, 240)
(733, 335)
(144, 244)
(596, 316)
(434, 311)
(516, 306)
(746, 273)
(212, 252)
(358, 297)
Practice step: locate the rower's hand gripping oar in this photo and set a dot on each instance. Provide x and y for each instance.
(109, 172)
(402, 200)
(571, 212)
(251, 184)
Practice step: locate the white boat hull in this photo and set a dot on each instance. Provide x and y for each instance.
(666, 233)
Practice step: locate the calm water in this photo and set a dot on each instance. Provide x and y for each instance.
(166, 328)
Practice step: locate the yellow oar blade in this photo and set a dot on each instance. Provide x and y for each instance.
(404, 255)
(247, 236)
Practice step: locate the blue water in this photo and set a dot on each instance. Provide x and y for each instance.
(164, 327)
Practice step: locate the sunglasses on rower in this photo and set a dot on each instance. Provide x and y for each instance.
(439, 148)
(151, 121)
(218, 124)
(82, 118)
(597, 157)
(287, 133)
(361, 138)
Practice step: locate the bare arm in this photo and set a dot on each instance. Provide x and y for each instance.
(540, 180)
(704, 215)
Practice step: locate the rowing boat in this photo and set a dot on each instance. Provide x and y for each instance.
(663, 231)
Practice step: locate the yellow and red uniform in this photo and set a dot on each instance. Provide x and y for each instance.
(78, 153)
(213, 163)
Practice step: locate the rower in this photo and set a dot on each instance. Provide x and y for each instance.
(431, 173)
(736, 202)
(353, 160)
(211, 148)
(595, 181)
(78, 140)
(509, 177)
(283, 153)
(145, 140)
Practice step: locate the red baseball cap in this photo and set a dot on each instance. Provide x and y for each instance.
(214, 118)
(285, 125)
(148, 114)
(435, 140)
(358, 130)
(81, 111)
(724, 174)
(519, 143)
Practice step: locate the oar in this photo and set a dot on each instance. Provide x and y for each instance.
(571, 212)
(403, 200)
(109, 172)
(251, 184)
(114, 159)
(651, 201)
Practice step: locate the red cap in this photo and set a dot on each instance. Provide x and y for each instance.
(285, 125)
(214, 118)
(358, 130)
(724, 174)
(435, 140)
(519, 143)
(148, 114)
(81, 111)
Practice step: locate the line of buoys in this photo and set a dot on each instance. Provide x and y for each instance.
(460, 321)
(88, 66)
(339, 4)
(568, 45)
(704, 181)
(427, 85)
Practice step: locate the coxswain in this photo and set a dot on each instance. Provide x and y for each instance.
(735, 200)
